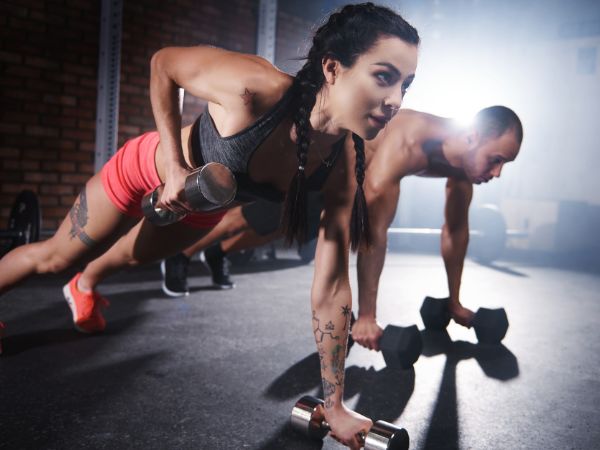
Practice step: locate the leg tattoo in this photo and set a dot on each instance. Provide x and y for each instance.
(79, 219)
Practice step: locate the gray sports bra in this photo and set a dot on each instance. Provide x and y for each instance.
(236, 151)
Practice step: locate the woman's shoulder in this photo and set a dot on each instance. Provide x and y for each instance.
(263, 83)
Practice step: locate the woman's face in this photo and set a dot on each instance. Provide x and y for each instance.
(486, 158)
(364, 97)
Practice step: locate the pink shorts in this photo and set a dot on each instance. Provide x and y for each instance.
(131, 173)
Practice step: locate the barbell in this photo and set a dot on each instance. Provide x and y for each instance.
(487, 230)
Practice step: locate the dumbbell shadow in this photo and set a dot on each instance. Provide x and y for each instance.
(496, 362)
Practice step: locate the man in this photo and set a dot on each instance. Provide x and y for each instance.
(413, 143)
(422, 144)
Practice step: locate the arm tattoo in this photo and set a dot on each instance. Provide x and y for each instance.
(322, 357)
(346, 310)
(337, 364)
(79, 219)
(247, 96)
(320, 334)
(328, 391)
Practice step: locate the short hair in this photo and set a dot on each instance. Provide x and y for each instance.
(494, 121)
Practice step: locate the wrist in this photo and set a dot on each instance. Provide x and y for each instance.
(369, 315)
(335, 410)
(454, 301)
(174, 166)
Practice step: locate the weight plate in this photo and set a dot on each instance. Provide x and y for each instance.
(25, 219)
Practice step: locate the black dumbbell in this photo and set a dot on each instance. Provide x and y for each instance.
(400, 346)
(307, 418)
(207, 188)
(490, 324)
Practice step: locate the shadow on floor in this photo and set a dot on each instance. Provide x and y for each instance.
(503, 269)
(496, 362)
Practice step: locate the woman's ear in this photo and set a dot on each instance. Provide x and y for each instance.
(331, 68)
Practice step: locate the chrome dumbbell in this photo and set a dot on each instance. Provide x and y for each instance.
(207, 188)
(307, 418)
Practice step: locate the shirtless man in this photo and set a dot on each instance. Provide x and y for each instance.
(417, 143)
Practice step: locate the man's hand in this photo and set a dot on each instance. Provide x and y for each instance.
(461, 315)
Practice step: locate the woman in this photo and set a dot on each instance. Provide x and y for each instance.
(259, 122)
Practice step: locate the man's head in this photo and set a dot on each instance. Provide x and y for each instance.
(495, 138)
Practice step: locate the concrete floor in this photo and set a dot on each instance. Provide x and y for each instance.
(222, 369)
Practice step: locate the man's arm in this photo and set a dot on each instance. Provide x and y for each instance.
(455, 240)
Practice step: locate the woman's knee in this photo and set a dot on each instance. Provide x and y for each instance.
(233, 222)
(47, 258)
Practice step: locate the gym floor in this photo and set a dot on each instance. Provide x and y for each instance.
(222, 369)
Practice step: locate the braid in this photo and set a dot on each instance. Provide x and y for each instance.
(359, 223)
(345, 36)
(294, 216)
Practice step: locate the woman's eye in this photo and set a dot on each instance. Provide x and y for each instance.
(384, 77)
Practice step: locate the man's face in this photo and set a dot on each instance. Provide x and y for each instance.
(485, 159)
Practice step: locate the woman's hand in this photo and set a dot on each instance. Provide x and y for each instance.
(173, 194)
(347, 426)
(367, 332)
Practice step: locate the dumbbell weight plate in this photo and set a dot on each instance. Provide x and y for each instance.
(157, 216)
(489, 233)
(210, 187)
(305, 418)
(435, 314)
(386, 436)
(490, 325)
(401, 346)
(25, 220)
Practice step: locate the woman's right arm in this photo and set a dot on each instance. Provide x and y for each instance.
(216, 75)
(331, 302)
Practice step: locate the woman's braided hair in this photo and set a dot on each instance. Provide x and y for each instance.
(346, 35)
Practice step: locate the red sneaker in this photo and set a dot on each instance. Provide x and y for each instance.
(85, 307)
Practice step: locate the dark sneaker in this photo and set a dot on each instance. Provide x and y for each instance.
(218, 264)
(174, 271)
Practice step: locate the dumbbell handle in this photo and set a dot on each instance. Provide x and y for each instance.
(207, 188)
(326, 428)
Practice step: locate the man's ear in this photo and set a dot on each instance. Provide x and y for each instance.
(331, 68)
(472, 137)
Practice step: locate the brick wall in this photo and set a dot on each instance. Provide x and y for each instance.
(48, 81)
(48, 55)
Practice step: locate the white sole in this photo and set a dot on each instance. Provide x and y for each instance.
(173, 293)
(164, 286)
(70, 301)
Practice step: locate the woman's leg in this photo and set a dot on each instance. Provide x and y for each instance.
(92, 225)
(247, 240)
(142, 244)
(232, 223)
